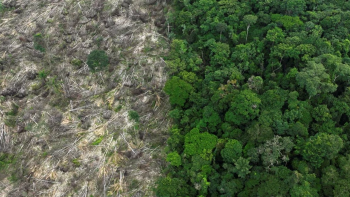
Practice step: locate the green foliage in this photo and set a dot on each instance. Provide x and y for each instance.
(174, 159)
(244, 107)
(275, 35)
(2, 99)
(43, 74)
(77, 62)
(176, 140)
(232, 151)
(219, 52)
(172, 187)
(298, 129)
(44, 154)
(55, 85)
(133, 115)
(117, 109)
(264, 84)
(8, 164)
(39, 42)
(198, 143)
(76, 162)
(13, 178)
(321, 113)
(304, 189)
(39, 48)
(6, 160)
(11, 119)
(295, 7)
(13, 111)
(189, 77)
(178, 90)
(315, 79)
(97, 141)
(287, 21)
(320, 147)
(242, 167)
(250, 19)
(2, 9)
(211, 117)
(97, 60)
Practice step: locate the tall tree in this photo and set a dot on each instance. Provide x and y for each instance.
(244, 107)
(320, 147)
(178, 90)
(249, 20)
(315, 79)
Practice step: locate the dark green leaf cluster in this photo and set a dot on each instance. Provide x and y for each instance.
(2, 9)
(39, 42)
(11, 116)
(97, 60)
(133, 115)
(260, 94)
(6, 160)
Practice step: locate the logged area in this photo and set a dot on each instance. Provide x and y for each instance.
(82, 108)
(260, 99)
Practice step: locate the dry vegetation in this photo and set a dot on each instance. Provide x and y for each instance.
(70, 130)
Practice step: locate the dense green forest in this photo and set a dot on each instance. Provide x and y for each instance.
(261, 99)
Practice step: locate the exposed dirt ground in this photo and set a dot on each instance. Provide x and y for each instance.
(67, 130)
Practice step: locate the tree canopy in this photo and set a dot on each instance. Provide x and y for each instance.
(261, 99)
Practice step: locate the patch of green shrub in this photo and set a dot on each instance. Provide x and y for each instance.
(133, 115)
(13, 178)
(117, 109)
(14, 110)
(43, 74)
(97, 60)
(2, 9)
(44, 154)
(77, 62)
(98, 141)
(6, 160)
(2, 99)
(76, 162)
(39, 42)
(55, 84)
(10, 121)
